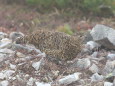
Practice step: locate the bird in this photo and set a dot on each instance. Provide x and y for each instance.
(55, 44)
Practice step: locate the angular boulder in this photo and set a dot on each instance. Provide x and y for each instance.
(104, 35)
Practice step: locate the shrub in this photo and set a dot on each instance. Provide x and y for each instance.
(93, 5)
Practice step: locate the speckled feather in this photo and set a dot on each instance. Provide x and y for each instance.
(54, 44)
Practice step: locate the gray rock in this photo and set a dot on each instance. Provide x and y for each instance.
(96, 77)
(6, 51)
(95, 54)
(3, 35)
(111, 56)
(4, 83)
(5, 43)
(69, 79)
(42, 84)
(38, 64)
(94, 69)
(108, 84)
(15, 35)
(104, 35)
(91, 45)
(30, 82)
(109, 67)
(82, 63)
(87, 37)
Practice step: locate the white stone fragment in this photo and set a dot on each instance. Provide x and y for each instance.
(30, 82)
(94, 69)
(69, 79)
(42, 55)
(95, 54)
(2, 57)
(5, 43)
(12, 66)
(92, 45)
(108, 84)
(3, 35)
(42, 84)
(96, 77)
(2, 76)
(20, 55)
(6, 51)
(111, 56)
(32, 47)
(37, 65)
(4, 83)
(8, 73)
(109, 67)
(83, 63)
(13, 78)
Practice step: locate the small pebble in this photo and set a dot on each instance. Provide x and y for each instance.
(20, 55)
(111, 56)
(12, 66)
(30, 82)
(92, 45)
(42, 84)
(96, 77)
(108, 84)
(94, 69)
(4, 83)
(37, 65)
(83, 63)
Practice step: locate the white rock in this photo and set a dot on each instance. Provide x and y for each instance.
(30, 82)
(32, 47)
(42, 84)
(111, 56)
(95, 54)
(5, 43)
(12, 66)
(83, 63)
(2, 76)
(4, 83)
(42, 55)
(69, 79)
(20, 55)
(96, 77)
(92, 45)
(6, 40)
(94, 69)
(8, 73)
(108, 84)
(37, 65)
(109, 67)
(6, 51)
(13, 78)
(3, 35)
(2, 57)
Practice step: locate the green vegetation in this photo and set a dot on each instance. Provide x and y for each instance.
(66, 29)
(94, 5)
(87, 6)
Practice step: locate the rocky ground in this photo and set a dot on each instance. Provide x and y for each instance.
(24, 65)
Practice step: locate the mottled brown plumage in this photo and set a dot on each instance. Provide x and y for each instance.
(54, 44)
